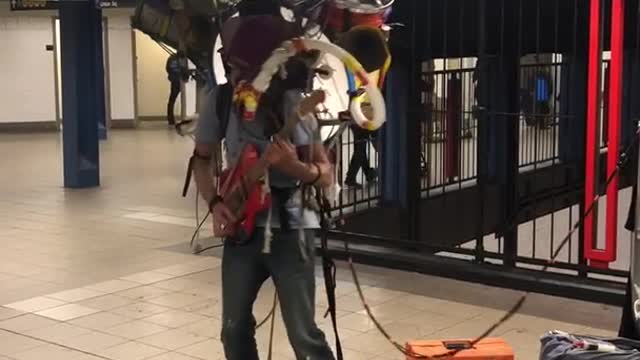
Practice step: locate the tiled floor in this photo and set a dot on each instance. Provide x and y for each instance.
(98, 273)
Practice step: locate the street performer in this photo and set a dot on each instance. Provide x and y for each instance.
(293, 163)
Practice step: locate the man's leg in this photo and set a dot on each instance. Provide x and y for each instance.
(358, 158)
(175, 91)
(242, 275)
(294, 278)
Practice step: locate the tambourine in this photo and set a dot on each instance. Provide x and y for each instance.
(248, 98)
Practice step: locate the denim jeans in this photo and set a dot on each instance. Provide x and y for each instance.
(244, 270)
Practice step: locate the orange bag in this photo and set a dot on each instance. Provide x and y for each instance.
(485, 349)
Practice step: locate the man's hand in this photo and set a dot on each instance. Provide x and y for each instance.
(223, 220)
(280, 153)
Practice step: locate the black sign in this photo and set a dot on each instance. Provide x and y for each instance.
(19, 5)
(22, 5)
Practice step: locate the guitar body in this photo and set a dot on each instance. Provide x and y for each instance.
(245, 198)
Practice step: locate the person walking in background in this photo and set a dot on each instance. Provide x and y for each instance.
(175, 74)
(359, 158)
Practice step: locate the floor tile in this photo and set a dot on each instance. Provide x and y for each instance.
(7, 313)
(136, 329)
(139, 310)
(172, 339)
(178, 284)
(26, 322)
(174, 318)
(58, 332)
(176, 300)
(210, 327)
(172, 356)
(100, 321)
(75, 295)
(94, 341)
(113, 286)
(143, 293)
(371, 342)
(35, 304)
(67, 312)
(209, 308)
(131, 351)
(12, 344)
(147, 277)
(106, 302)
(48, 352)
(178, 270)
(207, 350)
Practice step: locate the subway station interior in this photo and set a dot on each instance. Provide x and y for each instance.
(452, 179)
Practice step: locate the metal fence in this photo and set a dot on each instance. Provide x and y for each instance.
(502, 103)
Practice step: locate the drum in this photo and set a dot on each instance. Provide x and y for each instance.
(343, 15)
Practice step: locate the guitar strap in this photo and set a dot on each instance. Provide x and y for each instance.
(328, 269)
(224, 98)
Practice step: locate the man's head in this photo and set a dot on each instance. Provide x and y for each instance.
(247, 42)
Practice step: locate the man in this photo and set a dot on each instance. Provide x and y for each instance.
(290, 262)
(175, 74)
(368, 44)
(359, 158)
(628, 323)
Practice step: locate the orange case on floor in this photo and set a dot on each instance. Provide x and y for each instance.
(485, 349)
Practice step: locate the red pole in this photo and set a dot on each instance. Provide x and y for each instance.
(615, 109)
(591, 150)
(602, 257)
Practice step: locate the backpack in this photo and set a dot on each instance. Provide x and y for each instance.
(558, 345)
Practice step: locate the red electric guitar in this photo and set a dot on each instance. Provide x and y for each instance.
(242, 186)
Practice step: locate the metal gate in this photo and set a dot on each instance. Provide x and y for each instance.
(512, 107)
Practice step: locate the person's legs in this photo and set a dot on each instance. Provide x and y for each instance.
(243, 272)
(294, 277)
(359, 157)
(175, 91)
(544, 120)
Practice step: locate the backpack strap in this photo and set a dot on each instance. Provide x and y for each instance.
(224, 100)
(224, 97)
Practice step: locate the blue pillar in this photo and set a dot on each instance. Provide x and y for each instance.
(98, 49)
(83, 105)
(573, 110)
(394, 153)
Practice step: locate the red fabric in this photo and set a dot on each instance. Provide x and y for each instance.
(336, 19)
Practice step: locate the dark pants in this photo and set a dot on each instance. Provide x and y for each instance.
(175, 91)
(627, 322)
(359, 159)
(244, 270)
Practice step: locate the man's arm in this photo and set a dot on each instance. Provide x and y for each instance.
(204, 156)
(282, 155)
(306, 136)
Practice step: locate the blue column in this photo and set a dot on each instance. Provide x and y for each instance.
(573, 109)
(394, 153)
(98, 49)
(83, 105)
